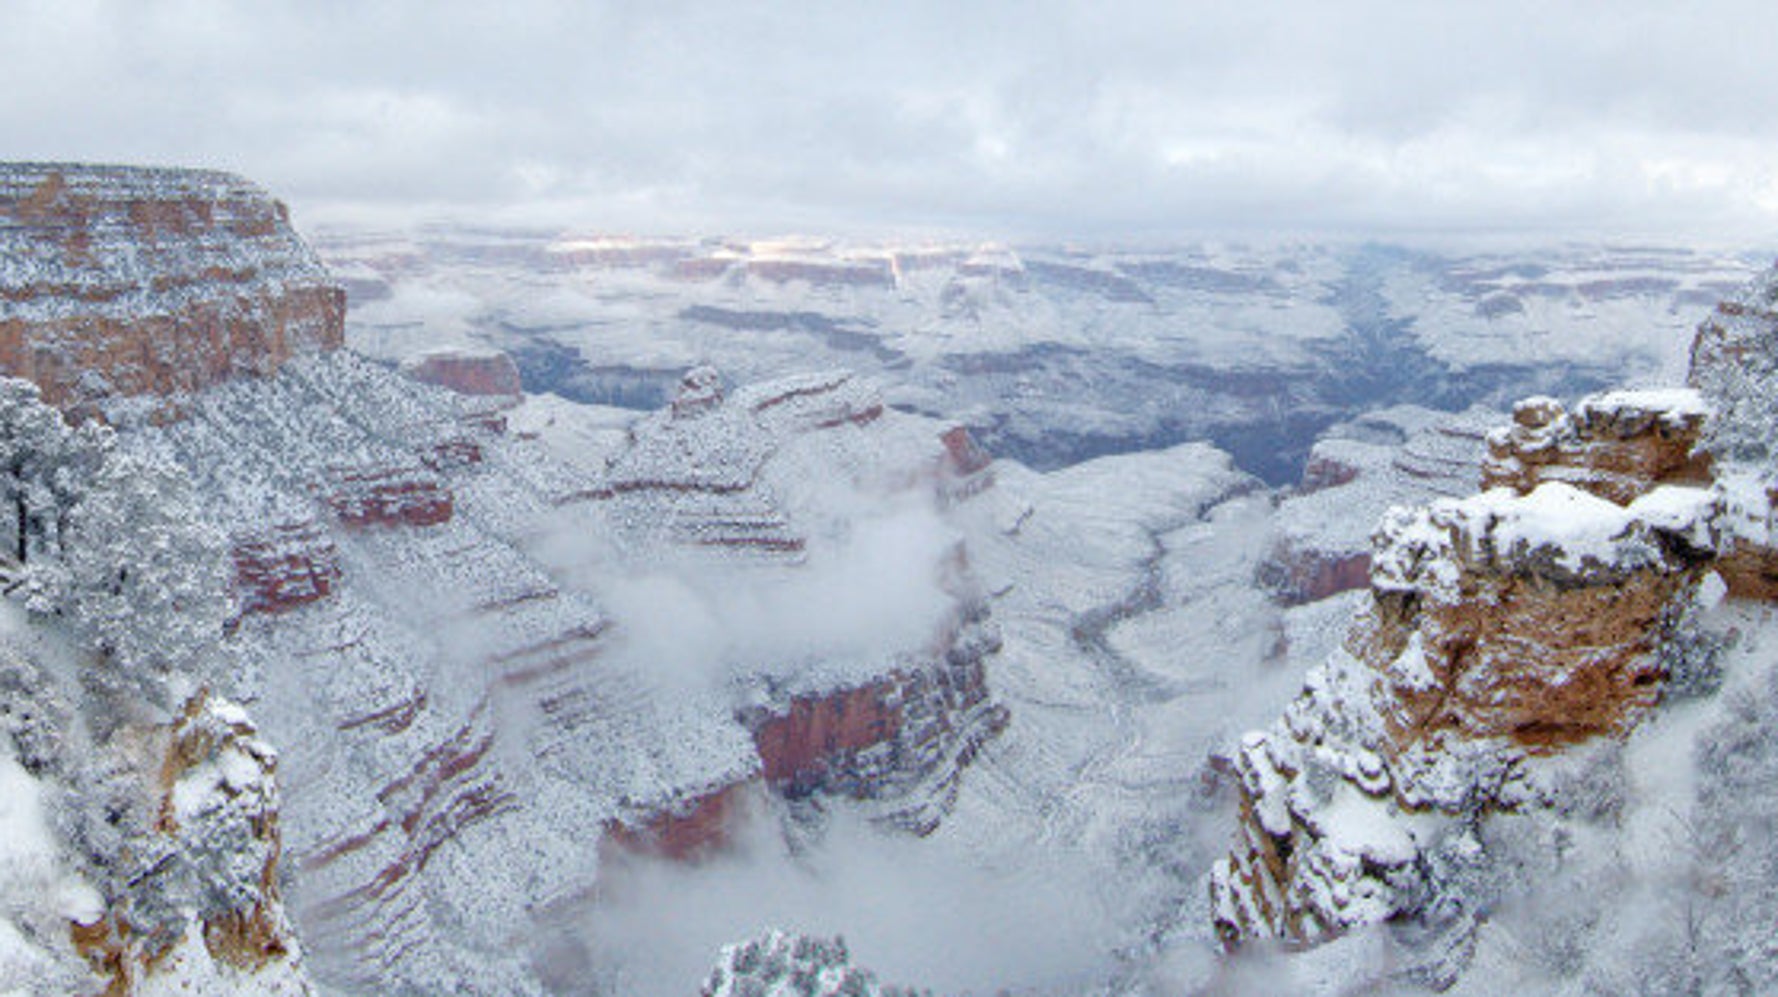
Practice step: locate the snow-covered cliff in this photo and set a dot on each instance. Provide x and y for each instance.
(122, 282)
(1479, 740)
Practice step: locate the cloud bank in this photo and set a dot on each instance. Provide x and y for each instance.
(1027, 118)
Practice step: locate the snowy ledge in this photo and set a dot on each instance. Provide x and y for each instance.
(1558, 531)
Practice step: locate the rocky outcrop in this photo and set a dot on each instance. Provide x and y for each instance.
(1616, 445)
(1297, 576)
(196, 903)
(389, 496)
(290, 565)
(122, 282)
(487, 374)
(1735, 367)
(1503, 629)
(686, 830)
(902, 740)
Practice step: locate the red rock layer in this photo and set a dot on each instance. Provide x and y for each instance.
(1297, 576)
(689, 831)
(480, 373)
(291, 565)
(129, 282)
(390, 497)
(818, 734)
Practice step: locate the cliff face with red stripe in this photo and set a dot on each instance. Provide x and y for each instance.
(124, 282)
(431, 637)
(467, 732)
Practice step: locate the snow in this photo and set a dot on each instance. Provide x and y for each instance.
(1676, 403)
(1409, 670)
(39, 893)
(1361, 824)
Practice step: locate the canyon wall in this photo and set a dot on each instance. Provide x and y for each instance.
(121, 283)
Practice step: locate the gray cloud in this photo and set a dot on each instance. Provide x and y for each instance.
(1089, 119)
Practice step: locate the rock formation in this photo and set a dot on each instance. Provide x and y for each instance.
(124, 282)
(1616, 445)
(478, 373)
(1502, 628)
(1358, 470)
(902, 740)
(1504, 632)
(197, 902)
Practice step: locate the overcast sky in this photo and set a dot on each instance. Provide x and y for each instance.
(1087, 119)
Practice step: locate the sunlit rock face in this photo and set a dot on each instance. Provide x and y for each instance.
(126, 283)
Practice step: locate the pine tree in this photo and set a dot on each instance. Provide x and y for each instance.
(110, 542)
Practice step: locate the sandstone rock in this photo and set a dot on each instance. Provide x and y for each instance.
(1503, 628)
(204, 905)
(1616, 445)
(489, 374)
(124, 282)
(903, 740)
(389, 496)
(290, 565)
(1298, 575)
(965, 455)
(689, 830)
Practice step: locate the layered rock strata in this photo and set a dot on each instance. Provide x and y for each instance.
(1358, 470)
(1503, 629)
(121, 283)
(467, 713)
(1615, 445)
(488, 374)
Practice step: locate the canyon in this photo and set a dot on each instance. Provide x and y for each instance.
(559, 566)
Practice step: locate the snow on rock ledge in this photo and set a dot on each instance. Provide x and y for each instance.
(1616, 445)
(1503, 629)
(120, 283)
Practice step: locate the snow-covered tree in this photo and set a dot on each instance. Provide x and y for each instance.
(109, 542)
(43, 465)
(147, 580)
(779, 964)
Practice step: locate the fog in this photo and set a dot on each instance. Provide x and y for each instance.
(867, 589)
(917, 912)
